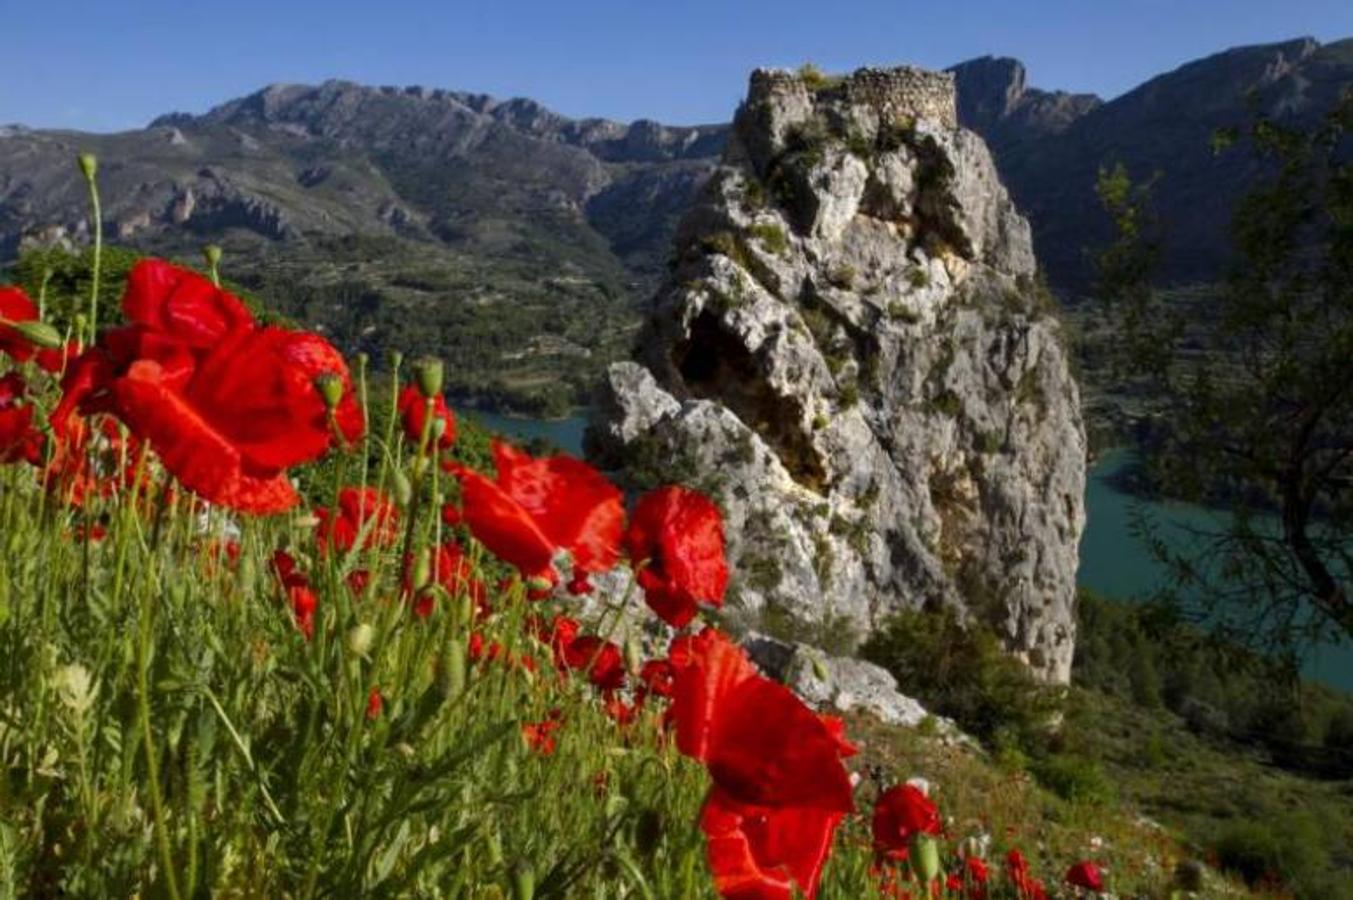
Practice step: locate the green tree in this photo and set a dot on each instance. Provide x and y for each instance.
(1254, 388)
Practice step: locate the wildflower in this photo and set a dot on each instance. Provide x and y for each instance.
(76, 687)
(677, 536)
(538, 507)
(658, 678)
(901, 813)
(19, 439)
(413, 413)
(779, 787)
(558, 634)
(539, 736)
(976, 875)
(375, 703)
(227, 405)
(1017, 870)
(763, 851)
(1085, 874)
(303, 604)
(288, 573)
(15, 307)
(359, 509)
(600, 659)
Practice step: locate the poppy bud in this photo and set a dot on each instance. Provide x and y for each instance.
(437, 428)
(495, 848)
(465, 611)
(89, 165)
(925, 855)
(212, 254)
(39, 333)
(422, 570)
(247, 570)
(634, 656)
(453, 671)
(330, 388)
(363, 360)
(523, 881)
(429, 374)
(402, 490)
(360, 638)
(539, 583)
(395, 358)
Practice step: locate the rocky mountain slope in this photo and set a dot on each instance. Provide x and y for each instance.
(523, 243)
(1049, 147)
(853, 350)
(363, 209)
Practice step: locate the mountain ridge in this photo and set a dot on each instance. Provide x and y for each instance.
(477, 209)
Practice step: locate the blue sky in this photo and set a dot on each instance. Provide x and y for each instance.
(110, 65)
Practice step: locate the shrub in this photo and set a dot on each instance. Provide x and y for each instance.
(771, 236)
(961, 671)
(1075, 779)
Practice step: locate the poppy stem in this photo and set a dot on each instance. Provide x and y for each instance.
(148, 742)
(89, 166)
(417, 480)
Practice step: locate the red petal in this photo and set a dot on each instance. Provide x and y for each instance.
(501, 524)
(198, 456)
(714, 668)
(768, 747)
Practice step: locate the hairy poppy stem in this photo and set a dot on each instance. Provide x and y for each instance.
(148, 742)
(89, 166)
(414, 503)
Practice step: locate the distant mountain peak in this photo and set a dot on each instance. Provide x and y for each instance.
(994, 99)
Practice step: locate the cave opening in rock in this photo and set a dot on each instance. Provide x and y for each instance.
(716, 365)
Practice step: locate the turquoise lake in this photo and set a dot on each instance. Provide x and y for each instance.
(1113, 561)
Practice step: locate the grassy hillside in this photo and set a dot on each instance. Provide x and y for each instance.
(204, 700)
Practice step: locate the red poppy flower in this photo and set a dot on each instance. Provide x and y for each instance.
(180, 306)
(623, 713)
(900, 813)
(658, 677)
(1017, 870)
(357, 581)
(284, 566)
(762, 852)
(677, 536)
(1085, 874)
(557, 634)
(779, 786)
(375, 704)
(537, 507)
(16, 307)
(600, 659)
(413, 413)
(539, 736)
(358, 509)
(303, 603)
(975, 875)
(19, 440)
(226, 405)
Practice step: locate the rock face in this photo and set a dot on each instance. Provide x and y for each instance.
(853, 355)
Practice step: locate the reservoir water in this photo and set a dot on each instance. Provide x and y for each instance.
(1113, 560)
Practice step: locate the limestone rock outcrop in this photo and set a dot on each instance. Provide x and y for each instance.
(853, 354)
